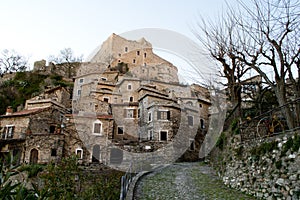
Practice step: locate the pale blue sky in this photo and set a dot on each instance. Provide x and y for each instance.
(37, 28)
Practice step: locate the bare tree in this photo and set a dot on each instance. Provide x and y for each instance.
(66, 57)
(222, 39)
(274, 28)
(11, 61)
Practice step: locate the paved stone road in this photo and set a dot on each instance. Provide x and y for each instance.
(184, 181)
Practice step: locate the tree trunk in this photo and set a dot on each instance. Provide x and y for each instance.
(282, 101)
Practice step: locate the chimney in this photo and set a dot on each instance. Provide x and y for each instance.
(9, 110)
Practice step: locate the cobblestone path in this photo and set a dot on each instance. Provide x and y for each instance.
(184, 181)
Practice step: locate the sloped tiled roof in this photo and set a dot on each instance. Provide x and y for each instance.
(25, 112)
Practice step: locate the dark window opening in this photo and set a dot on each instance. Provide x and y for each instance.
(131, 99)
(120, 130)
(126, 49)
(52, 129)
(163, 135)
(192, 145)
(53, 152)
(145, 55)
(129, 87)
(79, 153)
(133, 61)
(202, 124)
(149, 117)
(105, 99)
(150, 135)
(138, 53)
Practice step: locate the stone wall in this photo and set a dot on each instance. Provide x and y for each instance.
(266, 168)
(45, 145)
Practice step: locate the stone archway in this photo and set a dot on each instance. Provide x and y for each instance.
(34, 155)
(96, 153)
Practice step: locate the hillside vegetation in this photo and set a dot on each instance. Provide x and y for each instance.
(25, 85)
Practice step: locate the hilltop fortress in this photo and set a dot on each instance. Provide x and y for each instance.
(125, 100)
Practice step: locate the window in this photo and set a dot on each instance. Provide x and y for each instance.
(163, 135)
(96, 106)
(138, 53)
(145, 55)
(79, 153)
(130, 113)
(53, 152)
(119, 55)
(190, 120)
(149, 116)
(192, 144)
(133, 61)
(8, 132)
(130, 99)
(139, 113)
(78, 92)
(97, 127)
(163, 115)
(52, 129)
(145, 64)
(150, 135)
(126, 49)
(120, 130)
(129, 87)
(200, 105)
(81, 81)
(119, 61)
(106, 99)
(103, 79)
(202, 124)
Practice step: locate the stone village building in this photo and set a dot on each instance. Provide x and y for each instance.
(125, 100)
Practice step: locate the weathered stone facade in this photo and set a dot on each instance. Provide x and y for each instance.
(36, 129)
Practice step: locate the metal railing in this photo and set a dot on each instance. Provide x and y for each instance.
(126, 181)
(271, 122)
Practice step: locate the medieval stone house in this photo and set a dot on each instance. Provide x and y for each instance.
(33, 135)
